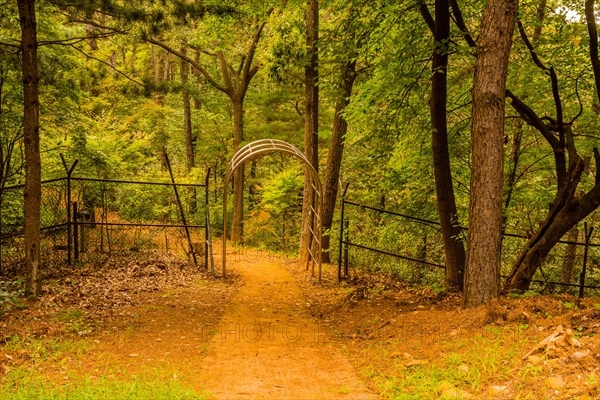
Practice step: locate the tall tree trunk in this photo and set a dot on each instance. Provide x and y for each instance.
(237, 231)
(187, 126)
(166, 65)
(311, 121)
(113, 62)
(33, 193)
(482, 277)
(446, 202)
(90, 31)
(134, 58)
(187, 117)
(515, 155)
(155, 69)
(334, 159)
(198, 75)
(252, 186)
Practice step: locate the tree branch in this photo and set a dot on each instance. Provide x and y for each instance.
(590, 18)
(14, 46)
(570, 146)
(578, 100)
(75, 40)
(563, 140)
(558, 106)
(107, 64)
(225, 72)
(95, 24)
(531, 118)
(252, 50)
(460, 22)
(427, 16)
(529, 46)
(193, 63)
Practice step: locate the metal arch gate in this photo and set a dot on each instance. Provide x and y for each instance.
(258, 148)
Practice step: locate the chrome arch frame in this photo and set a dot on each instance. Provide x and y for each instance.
(257, 149)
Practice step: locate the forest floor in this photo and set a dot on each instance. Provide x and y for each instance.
(153, 327)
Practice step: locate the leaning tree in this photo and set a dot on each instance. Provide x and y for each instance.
(571, 203)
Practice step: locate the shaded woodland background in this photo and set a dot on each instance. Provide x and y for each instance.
(377, 93)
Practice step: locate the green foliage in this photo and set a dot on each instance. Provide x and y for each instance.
(274, 223)
(280, 193)
(10, 295)
(136, 203)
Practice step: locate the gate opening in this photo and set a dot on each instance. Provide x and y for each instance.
(257, 149)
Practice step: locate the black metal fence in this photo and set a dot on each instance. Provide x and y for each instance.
(368, 229)
(83, 217)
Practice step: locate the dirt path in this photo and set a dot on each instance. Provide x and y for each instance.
(267, 346)
(250, 339)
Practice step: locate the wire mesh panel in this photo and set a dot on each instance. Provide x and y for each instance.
(116, 216)
(83, 218)
(397, 245)
(53, 222)
(410, 248)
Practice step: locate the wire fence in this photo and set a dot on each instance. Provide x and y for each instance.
(374, 239)
(83, 218)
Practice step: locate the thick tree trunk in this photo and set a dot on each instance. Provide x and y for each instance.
(238, 176)
(482, 277)
(311, 122)
(252, 186)
(33, 192)
(334, 159)
(454, 248)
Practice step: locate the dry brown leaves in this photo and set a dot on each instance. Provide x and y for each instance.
(96, 290)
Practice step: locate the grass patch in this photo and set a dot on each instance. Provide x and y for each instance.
(472, 365)
(41, 370)
(38, 350)
(29, 385)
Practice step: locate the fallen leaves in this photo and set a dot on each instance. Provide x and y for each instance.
(99, 290)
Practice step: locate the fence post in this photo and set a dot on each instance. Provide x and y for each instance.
(69, 172)
(341, 241)
(347, 234)
(588, 235)
(1, 194)
(76, 230)
(206, 218)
